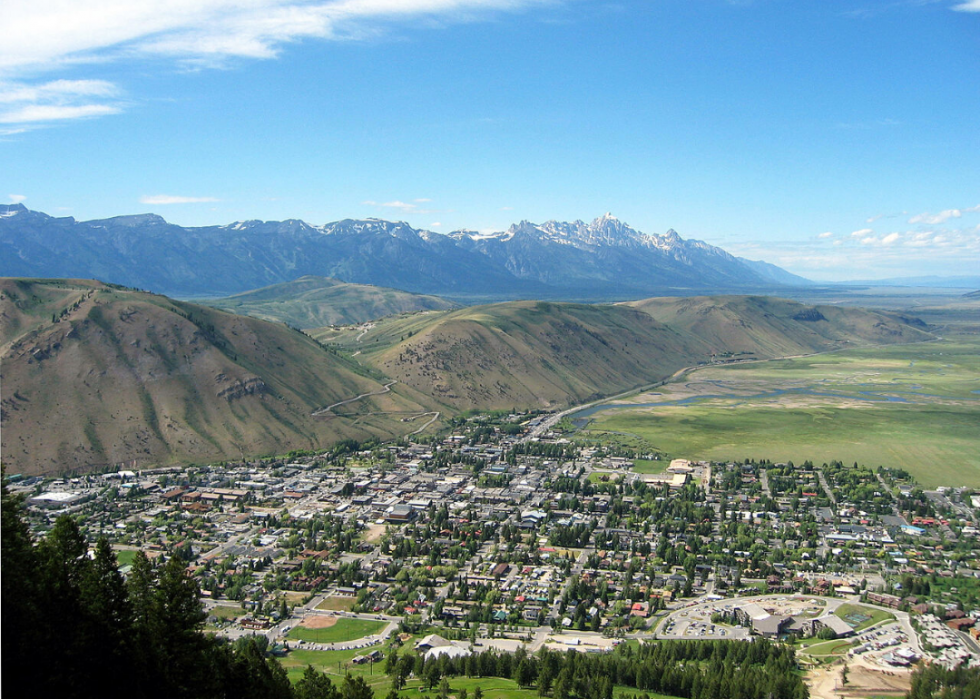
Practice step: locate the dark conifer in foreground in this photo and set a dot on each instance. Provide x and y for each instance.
(72, 627)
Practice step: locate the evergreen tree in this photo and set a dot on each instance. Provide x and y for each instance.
(356, 688)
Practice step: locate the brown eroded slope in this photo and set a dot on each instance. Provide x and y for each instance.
(95, 375)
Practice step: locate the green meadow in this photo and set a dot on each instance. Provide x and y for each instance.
(913, 406)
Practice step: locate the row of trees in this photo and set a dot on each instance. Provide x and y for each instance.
(936, 682)
(687, 669)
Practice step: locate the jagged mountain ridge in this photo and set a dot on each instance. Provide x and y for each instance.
(601, 260)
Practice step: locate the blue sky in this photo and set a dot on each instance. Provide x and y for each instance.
(839, 139)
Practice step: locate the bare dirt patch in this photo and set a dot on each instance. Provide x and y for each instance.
(862, 681)
(373, 533)
(318, 621)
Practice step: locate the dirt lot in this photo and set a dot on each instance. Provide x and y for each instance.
(373, 533)
(318, 621)
(862, 681)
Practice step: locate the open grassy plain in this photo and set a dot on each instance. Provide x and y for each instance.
(914, 406)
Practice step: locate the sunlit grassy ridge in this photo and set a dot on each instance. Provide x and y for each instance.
(539, 354)
(312, 302)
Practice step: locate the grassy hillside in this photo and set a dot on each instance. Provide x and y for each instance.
(313, 302)
(95, 375)
(765, 327)
(556, 354)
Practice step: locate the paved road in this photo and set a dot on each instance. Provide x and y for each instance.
(826, 488)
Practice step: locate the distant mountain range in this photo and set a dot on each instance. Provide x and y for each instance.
(602, 260)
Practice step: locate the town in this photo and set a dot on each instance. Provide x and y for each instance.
(511, 533)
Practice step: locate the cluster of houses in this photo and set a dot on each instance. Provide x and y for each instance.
(527, 537)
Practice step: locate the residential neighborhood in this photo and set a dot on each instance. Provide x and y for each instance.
(509, 533)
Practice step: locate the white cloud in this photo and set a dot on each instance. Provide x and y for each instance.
(161, 199)
(48, 33)
(405, 207)
(889, 239)
(41, 36)
(11, 92)
(56, 100)
(16, 198)
(942, 216)
(49, 112)
(435, 224)
(827, 234)
(968, 6)
(861, 233)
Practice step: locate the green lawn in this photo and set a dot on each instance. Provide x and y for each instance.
(818, 408)
(125, 558)
(337, 663)
(223, 612)
(650, 465)
(337, 604)
(835, 647)
(606, 476)
(876, 615)
(345, 629)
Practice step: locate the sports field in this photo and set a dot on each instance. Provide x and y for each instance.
(336, 629)
(915, 407)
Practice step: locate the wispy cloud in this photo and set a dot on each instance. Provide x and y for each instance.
(16, 198)
(863, 254)
(405, 207)
(942, 216)
(42, 36)
(968, 6)
(163, 199)
(49, 33)
(56, 100)
(867, 125)
(878, 217)
(880, 7)
(49, 112)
